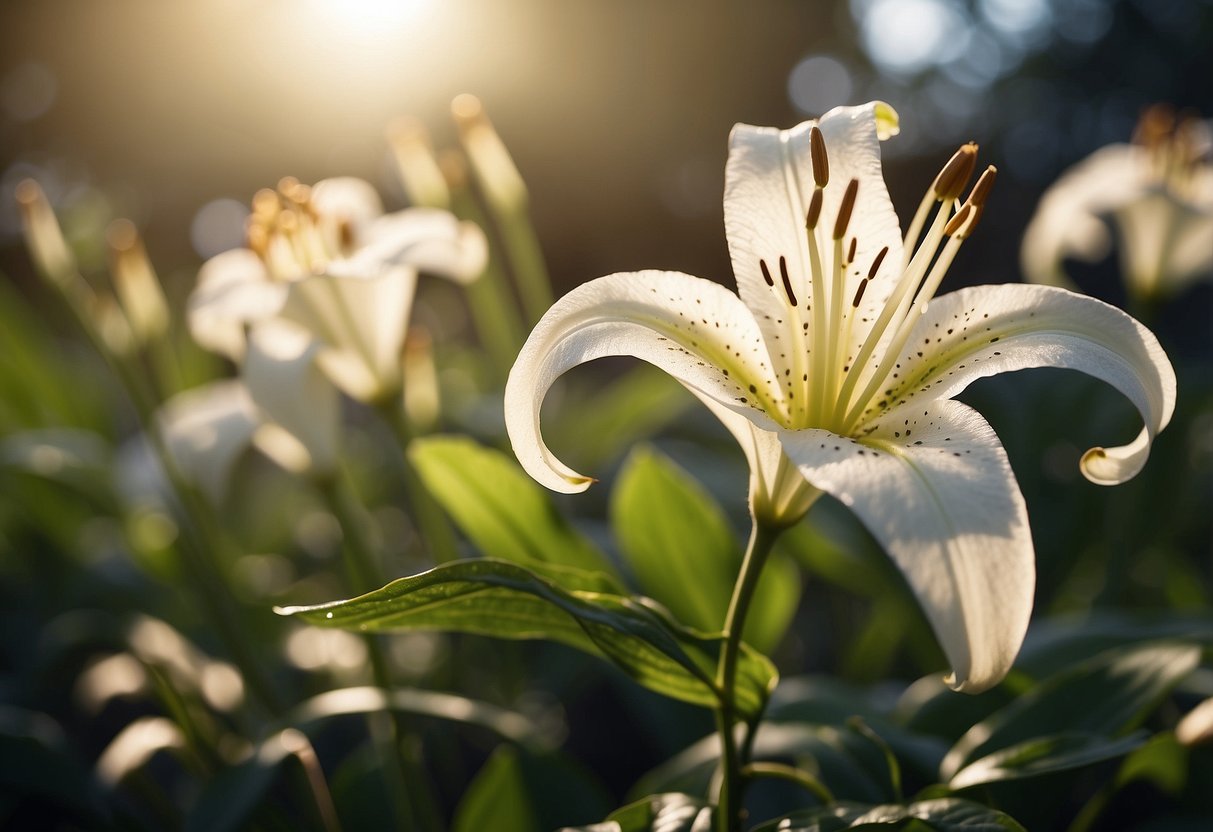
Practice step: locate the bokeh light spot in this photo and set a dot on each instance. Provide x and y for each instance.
(819, 83)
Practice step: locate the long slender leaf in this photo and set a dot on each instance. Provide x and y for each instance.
(492, 598)
(1044, 755)
(1107, 695)
(943, 815)
(505, 514)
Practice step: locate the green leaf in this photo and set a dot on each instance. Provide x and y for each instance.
(496, 798)
(944, 815)
(518, 792)
(492, 598)
(1044, 755)
(1106, 695)
(503, 512)
(663, 812)
(679, 545)
(636, 405)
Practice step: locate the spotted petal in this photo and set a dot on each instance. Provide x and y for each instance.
(936, 491)
(768, 186)
(694, 329)
(984, 330)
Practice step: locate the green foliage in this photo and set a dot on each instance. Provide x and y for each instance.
(501, 510)
(677, 542)
(506, 601)
(944, 815)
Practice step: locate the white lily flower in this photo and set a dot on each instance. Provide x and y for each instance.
(835, 375)
(284, 407)
(329, 259)
(1158, 195)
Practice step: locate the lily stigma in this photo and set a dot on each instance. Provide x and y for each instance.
(835, 364)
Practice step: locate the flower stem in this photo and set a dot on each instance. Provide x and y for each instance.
(729, 805)
(432, 525)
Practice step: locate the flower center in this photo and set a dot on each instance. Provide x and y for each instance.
(846, 350)
(291, 236)
(1176, 143)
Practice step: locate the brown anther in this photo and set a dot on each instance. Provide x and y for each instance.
(845, 209)
(851, 250)
(766, 273)
(787, 281)
(287, 184)
(863, 284)
(817, 153)
(345, 235)
(810, 220)
(981, 190)
(257, 237)
(956, 173)
(266, 203)
(876, 263)
(1155, 125)
(964, 221)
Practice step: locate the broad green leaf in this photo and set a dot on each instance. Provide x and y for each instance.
(943, 815)
(497, 798)
(520, 792)
(1044, 755)
(500, 509)
(636, 405)
(1106, 695)
(679, 545)
(657, 813)
(493, 598)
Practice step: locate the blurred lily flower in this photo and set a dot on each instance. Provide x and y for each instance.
(836, 376)
(328, 259)
(284, 406)
(1156, 192)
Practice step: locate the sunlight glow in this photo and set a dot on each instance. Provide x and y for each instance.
(371, 16)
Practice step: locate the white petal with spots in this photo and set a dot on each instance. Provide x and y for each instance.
(935, 489)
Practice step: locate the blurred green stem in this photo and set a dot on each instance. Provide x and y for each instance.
(493, 309)
(729, 804)
(413, 806)
(199, 539)
(432, 526)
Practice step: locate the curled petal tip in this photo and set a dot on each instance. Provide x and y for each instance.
(888, 124)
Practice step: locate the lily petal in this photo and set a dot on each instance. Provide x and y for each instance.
(696, 330)
(283, 379)
(427, 239)
(768, 186)
(233, 290)
(984, 330)
(349, 198)
(937, 492)
(206, 429)
(361, 323)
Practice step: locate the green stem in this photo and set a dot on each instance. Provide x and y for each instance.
(729, 805)
(389, 730)
(435, 532)
(200, 540)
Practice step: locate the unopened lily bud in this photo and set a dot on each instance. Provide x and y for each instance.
(112, 325)
(491, 162)
(419, 172)
(138, 288)
(422, 395)
(1196, 728)
(43, 236)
